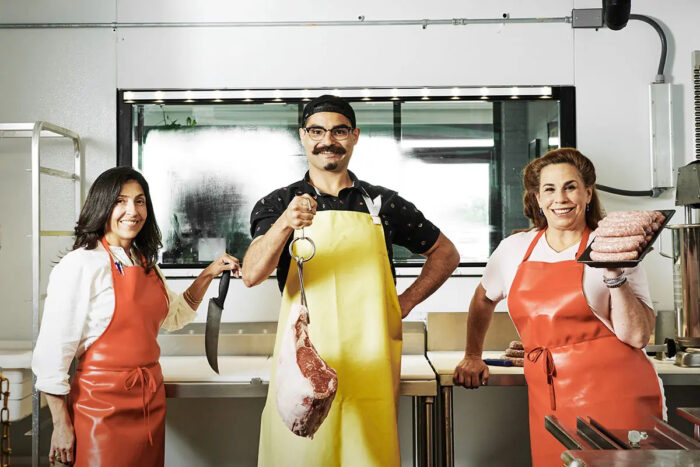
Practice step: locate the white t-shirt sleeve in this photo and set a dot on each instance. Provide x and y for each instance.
(637, 278)
(493, 280)
(179, 311)
(503, 264)
(65, 314)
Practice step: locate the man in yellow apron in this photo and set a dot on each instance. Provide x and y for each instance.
(355, 313)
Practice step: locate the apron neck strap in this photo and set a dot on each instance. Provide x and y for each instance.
(103, 240)
(532, 244)
(142, 258)
(373, 206)
(584, 241)
(581, 246)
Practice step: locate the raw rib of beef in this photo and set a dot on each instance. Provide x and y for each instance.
(305, 384)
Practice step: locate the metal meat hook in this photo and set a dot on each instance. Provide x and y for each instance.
(300, 260)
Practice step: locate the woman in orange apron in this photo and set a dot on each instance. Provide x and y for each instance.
(105, 303)
(575, 365)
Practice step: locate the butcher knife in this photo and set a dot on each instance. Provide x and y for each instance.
(211, 334)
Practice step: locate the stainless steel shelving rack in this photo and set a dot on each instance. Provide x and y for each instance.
(36, 131)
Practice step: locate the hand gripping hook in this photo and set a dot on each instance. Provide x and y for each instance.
(300, 260)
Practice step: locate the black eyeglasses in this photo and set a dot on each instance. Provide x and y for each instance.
(338, 133)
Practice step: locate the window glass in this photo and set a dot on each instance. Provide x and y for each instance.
(206, 176)
(459, 161)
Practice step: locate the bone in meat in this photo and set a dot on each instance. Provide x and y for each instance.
(305, 384)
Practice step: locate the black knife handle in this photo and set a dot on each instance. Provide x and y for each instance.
(223, 288)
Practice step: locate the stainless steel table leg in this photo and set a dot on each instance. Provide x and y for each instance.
(429, 438)
(447, 429)
(419, 430)
(414, 411)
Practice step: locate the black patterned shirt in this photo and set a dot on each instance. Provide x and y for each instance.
(403, 223)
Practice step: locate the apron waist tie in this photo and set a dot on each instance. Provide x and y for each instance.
(548, 365)
(148, 383)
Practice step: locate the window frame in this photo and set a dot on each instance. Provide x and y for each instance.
(127, 132)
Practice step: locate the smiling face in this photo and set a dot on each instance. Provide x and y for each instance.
(328, 154)
(128, 215)
(563, 197)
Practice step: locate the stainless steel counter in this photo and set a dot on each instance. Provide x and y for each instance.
(631, 458)
(445, 362)
(245, 363)
(249, 376)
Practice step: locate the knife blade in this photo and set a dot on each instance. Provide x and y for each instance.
(211, 334)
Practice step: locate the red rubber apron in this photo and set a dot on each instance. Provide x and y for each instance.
(574, 365)
(118, 398)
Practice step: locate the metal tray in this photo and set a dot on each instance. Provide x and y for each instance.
(585, 257)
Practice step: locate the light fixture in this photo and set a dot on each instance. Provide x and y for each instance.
(446, 143)
(367, 93)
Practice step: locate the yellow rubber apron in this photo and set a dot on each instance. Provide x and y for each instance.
(355, 325)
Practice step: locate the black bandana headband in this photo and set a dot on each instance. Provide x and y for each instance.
(328, 103)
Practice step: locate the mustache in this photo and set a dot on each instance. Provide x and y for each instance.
(334, 148)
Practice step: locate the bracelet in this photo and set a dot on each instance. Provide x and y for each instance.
(188, 296)
(615, 282)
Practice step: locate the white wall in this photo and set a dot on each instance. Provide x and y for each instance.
(70, 77)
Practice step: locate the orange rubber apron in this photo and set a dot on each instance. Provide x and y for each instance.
(574, 365)
(118, 398)
(355, 325)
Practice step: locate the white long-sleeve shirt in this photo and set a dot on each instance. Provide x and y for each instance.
(79, 306)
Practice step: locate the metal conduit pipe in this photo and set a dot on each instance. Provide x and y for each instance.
(618, 191)
(424, 23)
(662, 61)
(660, 78)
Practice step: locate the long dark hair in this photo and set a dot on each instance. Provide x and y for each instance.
(531, 183)
(98, 208)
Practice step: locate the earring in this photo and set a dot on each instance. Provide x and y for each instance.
(541, 212)
(588, 207)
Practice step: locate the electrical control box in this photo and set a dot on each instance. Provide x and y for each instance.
(661, 131)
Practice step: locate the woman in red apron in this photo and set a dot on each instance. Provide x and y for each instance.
(575, 365)
(116, 412)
